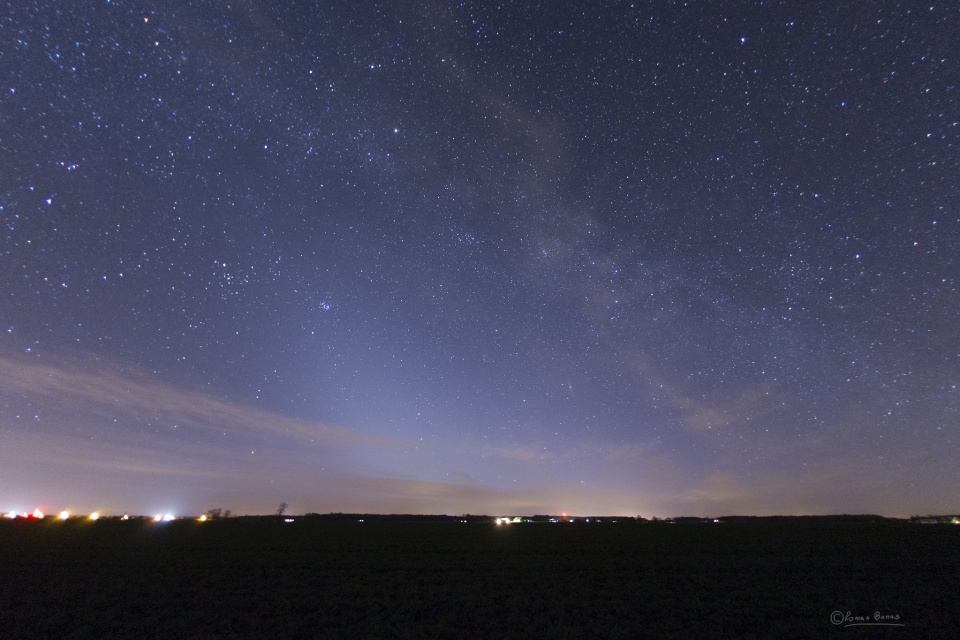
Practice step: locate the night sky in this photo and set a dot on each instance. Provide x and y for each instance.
(659, 259)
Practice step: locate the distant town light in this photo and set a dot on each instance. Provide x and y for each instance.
(168, 517)
(38, 514)
(64, 515)
(11, 515)
(288, 519)
(94, 516)
(125, 517)
(202, 518)
(158, 517)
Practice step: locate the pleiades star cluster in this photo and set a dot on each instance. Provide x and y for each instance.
(670, 258)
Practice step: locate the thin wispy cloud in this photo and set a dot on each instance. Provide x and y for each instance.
(108, 393)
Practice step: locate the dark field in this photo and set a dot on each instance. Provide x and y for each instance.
(261, 578)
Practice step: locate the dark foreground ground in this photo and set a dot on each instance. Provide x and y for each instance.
(248, 578)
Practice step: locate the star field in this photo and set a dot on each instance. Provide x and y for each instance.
(658, 260)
